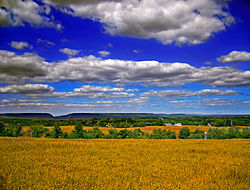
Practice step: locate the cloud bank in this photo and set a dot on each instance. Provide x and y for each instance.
(16, 13)
(187, 93)
(89, 69)
(168, 21)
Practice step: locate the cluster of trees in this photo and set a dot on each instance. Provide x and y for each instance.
(215, 133)
(78, 132)
(133, 122)
(10, 130)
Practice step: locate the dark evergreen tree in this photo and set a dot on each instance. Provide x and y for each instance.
(57, 132)
(2, 129)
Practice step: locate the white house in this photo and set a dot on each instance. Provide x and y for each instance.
(168, 124)
(178, 124)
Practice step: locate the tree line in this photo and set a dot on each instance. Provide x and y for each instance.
(134, 122)
(80, 133)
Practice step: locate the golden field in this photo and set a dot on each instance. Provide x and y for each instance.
(29, 163)
(147, 129)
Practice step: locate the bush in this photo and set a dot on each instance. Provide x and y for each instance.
(246, 133)
(215, 133)
(77, 132)
(197, 134)
(184, 133)
(37, 131)
(57, 132)
(12, 131)
(163, 134)
(233, 132)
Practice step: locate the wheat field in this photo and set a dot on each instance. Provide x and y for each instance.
(29, 163)
(147, 129)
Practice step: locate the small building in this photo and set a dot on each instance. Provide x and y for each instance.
(168, 124)
(209, 124)
(148, 123)
(178, 124)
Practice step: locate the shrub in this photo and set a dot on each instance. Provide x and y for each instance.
(37, 131)
(184, 133)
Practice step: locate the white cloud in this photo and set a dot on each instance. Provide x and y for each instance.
(45, 43)
(209, 102)
(104, 53)
(168, 21)
(19, 68)
(235, 56)
(136, 51)
(69, 52)
(18, 101)
(26, 89)
(23, 103)
(41, 90)
(20, 45)
(187, 93)
(145, 72)
(89, 69)
(16, 13)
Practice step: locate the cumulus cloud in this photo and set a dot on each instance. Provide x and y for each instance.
(41, 90)
(26, 89)
(20, 45)
(99, 92)
(18, 68)
(235, 56)
(187, 93)
(16, 13)
(104, 53)
(145, 72)
(69, 52)
(168, 21)
(89, 69)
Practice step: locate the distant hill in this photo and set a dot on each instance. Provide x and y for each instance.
(104, 115)
(109, 115)
(27, 115)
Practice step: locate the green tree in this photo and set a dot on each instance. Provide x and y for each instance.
(78, 132)
(12, 130)
(112, 134)
(37, 131)
(2, 129)
(246, 133)
(197, 134)
(233, 132)
(57, 132)
(184, 133)
(215, 133)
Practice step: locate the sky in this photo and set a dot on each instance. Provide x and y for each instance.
(117, 56)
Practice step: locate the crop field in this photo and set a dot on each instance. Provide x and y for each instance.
(147, 129)
(30, 163)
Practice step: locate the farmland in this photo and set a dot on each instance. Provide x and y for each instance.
(146, 129)
(40, 163)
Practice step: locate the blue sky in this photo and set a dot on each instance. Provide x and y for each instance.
(166, 56)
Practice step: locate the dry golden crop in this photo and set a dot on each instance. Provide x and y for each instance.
(147, 129)
(29, 163)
